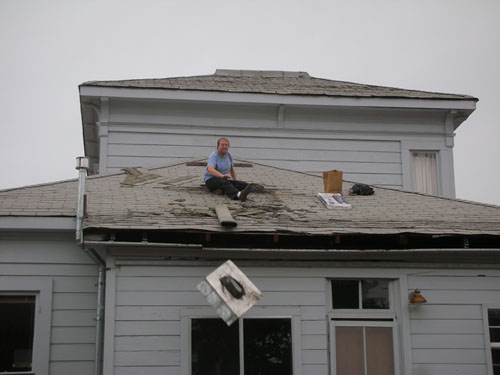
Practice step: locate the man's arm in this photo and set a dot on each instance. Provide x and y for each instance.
(233, 174)
(214, 172)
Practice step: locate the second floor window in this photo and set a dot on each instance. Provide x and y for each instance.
(424, 172)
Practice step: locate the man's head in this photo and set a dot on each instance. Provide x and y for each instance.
(222, 146)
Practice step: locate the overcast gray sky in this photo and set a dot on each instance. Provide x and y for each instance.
(49, 47)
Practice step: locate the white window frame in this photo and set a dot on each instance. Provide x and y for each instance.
(257, 312)
(446, 177)
(487, 338)
(365, 318)
(438, 169)
(41, 289)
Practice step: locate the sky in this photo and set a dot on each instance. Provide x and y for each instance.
(49, 47)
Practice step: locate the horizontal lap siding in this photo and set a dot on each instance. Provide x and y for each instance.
(370, 161)
(74, 277)
(364, 144)
(447, 333)
(149, 305)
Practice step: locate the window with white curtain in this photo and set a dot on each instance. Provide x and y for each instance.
(424, 172)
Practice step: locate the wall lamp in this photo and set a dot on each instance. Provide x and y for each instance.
(416, 298)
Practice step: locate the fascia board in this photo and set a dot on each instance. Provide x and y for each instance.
(22, 223)
(224, 97)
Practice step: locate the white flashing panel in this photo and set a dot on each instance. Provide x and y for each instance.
(229, 291)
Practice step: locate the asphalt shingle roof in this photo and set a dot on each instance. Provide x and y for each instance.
(274, 82)
(173, 198)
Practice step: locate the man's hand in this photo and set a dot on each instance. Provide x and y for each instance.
(226, 176)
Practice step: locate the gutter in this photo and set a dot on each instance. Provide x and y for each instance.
(83, 166)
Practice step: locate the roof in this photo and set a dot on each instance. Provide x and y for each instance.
(173, 198)
(274, 82)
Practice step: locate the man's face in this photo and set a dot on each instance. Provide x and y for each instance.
(223, 147)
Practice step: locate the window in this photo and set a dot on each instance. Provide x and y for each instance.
(494, 329)
(17, 317)
(362, 328)
(424, 172)
(360, 294)
(250, 347)
(25, 315)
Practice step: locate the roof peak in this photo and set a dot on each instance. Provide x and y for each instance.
(261, 73)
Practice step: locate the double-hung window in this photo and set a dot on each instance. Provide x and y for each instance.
(363, 327)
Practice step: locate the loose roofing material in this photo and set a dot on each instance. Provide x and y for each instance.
(173, 198)
(274, 82)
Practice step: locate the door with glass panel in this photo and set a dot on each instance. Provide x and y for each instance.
(362, 328)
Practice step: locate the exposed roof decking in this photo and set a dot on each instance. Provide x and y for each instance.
(173, 198)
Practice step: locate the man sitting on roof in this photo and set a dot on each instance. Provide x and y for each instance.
(220, 173)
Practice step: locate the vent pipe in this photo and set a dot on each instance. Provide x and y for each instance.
(82, 165)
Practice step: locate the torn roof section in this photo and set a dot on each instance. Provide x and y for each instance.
(173, 198)
(273, 82)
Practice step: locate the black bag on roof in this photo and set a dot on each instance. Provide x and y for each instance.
(361, 189)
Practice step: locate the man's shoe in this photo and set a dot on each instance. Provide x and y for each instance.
(245, 192)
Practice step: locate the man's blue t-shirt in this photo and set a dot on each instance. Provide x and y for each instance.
(221, 164)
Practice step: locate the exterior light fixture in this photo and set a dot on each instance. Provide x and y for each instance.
(416, 298)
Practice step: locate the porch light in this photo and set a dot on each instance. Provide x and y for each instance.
(416, 298)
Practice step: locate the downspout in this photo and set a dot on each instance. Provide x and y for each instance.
(82, 165)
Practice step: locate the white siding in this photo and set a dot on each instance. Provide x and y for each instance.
(149, 301)
(445, 336)
(366, 144)
(74, 277)
(447, 333)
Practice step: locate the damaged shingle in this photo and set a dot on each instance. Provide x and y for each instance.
(137, 175)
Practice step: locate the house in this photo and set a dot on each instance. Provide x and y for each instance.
(338, 285)
(376, 135)
(328, 276)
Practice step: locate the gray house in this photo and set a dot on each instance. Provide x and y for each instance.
(377, 135)
(340, 287)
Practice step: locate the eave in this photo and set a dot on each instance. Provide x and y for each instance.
(465, 106)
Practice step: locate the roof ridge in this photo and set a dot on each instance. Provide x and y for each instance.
(261, 73)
